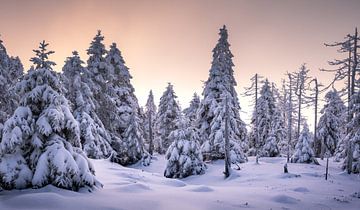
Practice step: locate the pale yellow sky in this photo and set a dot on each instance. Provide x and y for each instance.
(171, 41)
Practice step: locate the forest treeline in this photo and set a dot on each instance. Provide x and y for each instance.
(52, 122)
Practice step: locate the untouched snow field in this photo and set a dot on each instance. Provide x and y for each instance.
(262, 186)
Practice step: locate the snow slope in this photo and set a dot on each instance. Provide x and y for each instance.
(262, 186)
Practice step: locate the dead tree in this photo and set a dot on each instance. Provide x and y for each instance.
(313, 99)
(346, 69)
(252, 91)
(301, 78)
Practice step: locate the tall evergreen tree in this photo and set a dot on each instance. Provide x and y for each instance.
(352, 160)
(100, 76)
(149, 122)
(184, 156)
(41, 143)
(211, 114)
(131, 148)
(114, 96)
(10, 71)
(121, 90)
(266, 113)
(190, 112)
(168, 113)
(94, 137)
(331, 123)
(128, 112)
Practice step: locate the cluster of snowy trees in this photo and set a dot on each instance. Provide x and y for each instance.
(51, 122)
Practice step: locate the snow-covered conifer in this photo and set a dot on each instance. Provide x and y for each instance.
(269, 122)
(270, 148)
(131, 148)
(41, 143)
(121, 90)
(10, 70)
(352, 159)
(168, 113)
(94, 137)
(149, 122)
(127, 111)
(211, 114)
(331, 123)
(184, 156)
(190, 112)
(101, 74)
(303, 151)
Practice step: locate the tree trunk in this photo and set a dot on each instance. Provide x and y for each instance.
(150, 135)
(327, 168)
(289, 118)
(256, 121)
(299, 113)
(349, 89)
(315, 114)
(227, 144)
(353, 73)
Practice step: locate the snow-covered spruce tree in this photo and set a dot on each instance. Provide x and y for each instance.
(270, 148)
(131, 148)
(149, 122)
(282, 104)
(190, 112)
(303, 151)
(122, 95)
(210, 117)
(10, 70)
(114, 96)
(279, 126)
(266, 110)
(121, 90)
(41, 143)
(168, 112)
(352, 159)
(99, 79)
(331, 124)
(184, 156)
(93, 135)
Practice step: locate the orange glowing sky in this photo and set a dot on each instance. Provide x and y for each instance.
(171, 41)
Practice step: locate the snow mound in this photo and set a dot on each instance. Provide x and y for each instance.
(301, 189)
(284, 199)
(134, 188)
(173, 183)
(201, 189)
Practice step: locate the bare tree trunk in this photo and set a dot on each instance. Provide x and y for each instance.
(350, 153)
(289, 118)
(327, 168)
(349, 158)
(256, 121)
(349, 89)
(316, 110)
(299, 113)
(150, 135)
(322, 151)
(227, 145)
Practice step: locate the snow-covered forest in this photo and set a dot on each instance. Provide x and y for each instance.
(79, 127)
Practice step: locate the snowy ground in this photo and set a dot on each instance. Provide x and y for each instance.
(262, 186)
